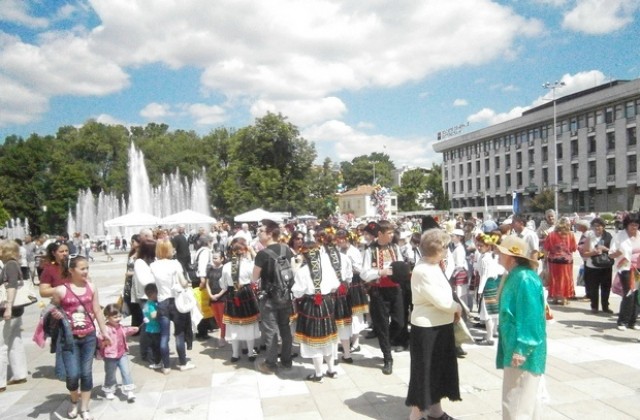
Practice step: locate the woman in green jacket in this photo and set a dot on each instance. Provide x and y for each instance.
(522, 346)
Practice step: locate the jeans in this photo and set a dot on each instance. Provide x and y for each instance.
(78, 363)
(628, 308)
(110, 367)
(275, 319)
(12, 354)
(167, 312)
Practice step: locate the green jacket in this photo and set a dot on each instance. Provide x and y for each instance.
(522, 323)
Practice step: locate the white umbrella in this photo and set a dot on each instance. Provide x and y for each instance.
(188, 217)
(256, 215)
(133, 219)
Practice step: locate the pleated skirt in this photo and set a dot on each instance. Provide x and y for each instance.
(316, 325)
(241, 307)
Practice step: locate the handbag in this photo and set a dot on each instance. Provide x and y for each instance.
(25, 293)
(602, 260)
(185, 301)
(462, 334)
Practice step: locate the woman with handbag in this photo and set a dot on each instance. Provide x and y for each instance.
(12, 353)
(170, 280)
(625, 249)
(559, 247)
(432, 347)
(598, 265)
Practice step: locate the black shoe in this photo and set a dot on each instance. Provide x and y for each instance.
(370, 334)
(253, 356)
(234, 359)
(286, 365)
(607, 311)
(347, 360)
(460, 353)
(400, 349)
(314, 378)
(331, 375)
(387, 369)
(245, 351)
(355, 349)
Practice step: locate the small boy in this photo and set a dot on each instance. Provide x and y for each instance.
(152, 326)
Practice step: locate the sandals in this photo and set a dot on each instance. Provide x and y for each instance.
(73, 411)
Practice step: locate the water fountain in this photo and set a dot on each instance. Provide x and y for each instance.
(175, 193)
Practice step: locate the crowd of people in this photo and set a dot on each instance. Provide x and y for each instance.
(280, 291)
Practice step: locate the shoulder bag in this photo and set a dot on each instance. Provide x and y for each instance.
(183, 297)
(25, 293)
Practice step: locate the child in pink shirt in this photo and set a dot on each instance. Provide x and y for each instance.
(115, 354)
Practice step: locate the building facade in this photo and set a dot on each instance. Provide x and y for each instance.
(596, 153)
(359, 204)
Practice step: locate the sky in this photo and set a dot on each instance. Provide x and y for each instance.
(355, 77)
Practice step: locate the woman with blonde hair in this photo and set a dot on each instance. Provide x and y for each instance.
(559, 247)
(12, 354)
(168, 275)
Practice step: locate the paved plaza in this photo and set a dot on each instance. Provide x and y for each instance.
(593, 372)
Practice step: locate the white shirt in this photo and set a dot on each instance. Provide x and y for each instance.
(141, 277)
(303, 284)
(244, 275)
(166, 273)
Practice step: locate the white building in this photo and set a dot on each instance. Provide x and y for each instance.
(358, 202)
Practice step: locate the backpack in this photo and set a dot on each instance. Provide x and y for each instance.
(279, 290)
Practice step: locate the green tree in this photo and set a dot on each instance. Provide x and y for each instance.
(375, 168)
(412, 190)
(439, 198)
(322, 185)
(542, 201)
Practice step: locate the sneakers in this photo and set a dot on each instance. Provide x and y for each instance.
(621, 328)
(155, 366)
(166, 371)
(635, 327)
(186, 366)
(109, 395)
(131, 397)
(265, 368)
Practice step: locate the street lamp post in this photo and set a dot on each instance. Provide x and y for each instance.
(553, 86)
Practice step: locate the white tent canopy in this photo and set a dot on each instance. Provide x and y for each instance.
(258, 214)
(133, 219)
(188, 217)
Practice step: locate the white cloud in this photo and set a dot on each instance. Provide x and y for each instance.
(110, 120)
(206, 114)
(460, 102)
(572, 83)
(596, 17)
(342, 143)
(302, 112)
(156, 112)
(19, 104)
(17, 11)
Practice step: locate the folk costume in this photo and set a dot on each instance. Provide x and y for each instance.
(316, 329)
(241, 305)
(385, 296)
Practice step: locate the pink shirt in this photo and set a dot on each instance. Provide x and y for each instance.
(79, 310)
(118, 341)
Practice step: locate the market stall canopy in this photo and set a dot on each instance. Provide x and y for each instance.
(188, 217)
(258, 214)
(133, 219)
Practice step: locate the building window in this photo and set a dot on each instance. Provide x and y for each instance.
(632, 163)
(519, 159)
(453, 187)
(545, 176)
(519, 179)
(478, 186)
(469, 185)
(507, 182)
(591, 119)
(477, 166)
(460, 170)
(619, 112)
(574, 148)
(631, 136)
(608, 115)
(532, 176)
(611, 141)
(574, 171)
(486, 182)
(630, 109)
(559, 151)
(545, 154)
(507, 161)
(560, 174)
(468, 168)
(461, 186)
(599, 117)
(611, 167)
(531, 157)
(592, 169)
(497, 181)
(592, 144)
(573, 125)
(497, 162)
